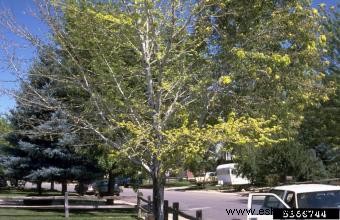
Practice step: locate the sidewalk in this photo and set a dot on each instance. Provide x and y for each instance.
(170, 217)
(177, 188)
(188, 189)
(242, 193)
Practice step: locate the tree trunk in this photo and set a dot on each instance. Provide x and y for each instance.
(14, 182)
(63, 187)
(39, 189)
(52, 186)
(81, 189)
(158, 182)
(110, 190)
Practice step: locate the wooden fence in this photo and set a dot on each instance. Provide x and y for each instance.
(67, 207)
(147, 208)
(65, 203)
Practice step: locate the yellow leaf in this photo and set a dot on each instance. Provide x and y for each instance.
(315, 11)
(322, 39)
(225, 80)
(241, 54)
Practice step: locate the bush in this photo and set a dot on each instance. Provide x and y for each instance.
(272, 180)
(271, 165)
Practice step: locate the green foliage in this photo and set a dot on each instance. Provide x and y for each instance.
(320, 129)
(273, 57)
(273, 52)
(271, 165)
(5, 128)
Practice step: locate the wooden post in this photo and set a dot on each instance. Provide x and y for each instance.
(52, 186)
(175, 207)
(166, 209)
(139, 211)
(63, 187)
(67, 214)
(149, 204)
(39, 187)
(199, 215)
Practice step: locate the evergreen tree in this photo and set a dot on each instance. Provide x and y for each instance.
(5, 128)
(43, 138)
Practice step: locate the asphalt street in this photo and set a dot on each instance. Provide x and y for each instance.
(213, 204)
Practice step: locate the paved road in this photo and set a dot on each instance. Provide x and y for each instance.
(213, 204)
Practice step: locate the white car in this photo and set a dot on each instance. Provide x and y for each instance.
(292, 196)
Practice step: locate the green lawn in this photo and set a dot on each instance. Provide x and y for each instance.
(148, 184)
(18, 214)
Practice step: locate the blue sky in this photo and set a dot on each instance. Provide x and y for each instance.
(20, 9)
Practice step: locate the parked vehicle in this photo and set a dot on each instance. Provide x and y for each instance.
(88, 189)
(226, 175)
(293, 196)
(123, 181)
(128, 181)
(209, 177)
(101, 188)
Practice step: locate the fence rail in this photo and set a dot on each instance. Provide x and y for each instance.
(176, 213)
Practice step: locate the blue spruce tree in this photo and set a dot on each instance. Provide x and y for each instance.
(43, 139)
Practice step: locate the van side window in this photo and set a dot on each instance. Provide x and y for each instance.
(222, 171)
(290, 199)
(279, 193)
(265, 202)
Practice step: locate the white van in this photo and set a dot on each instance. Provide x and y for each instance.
(226, 175)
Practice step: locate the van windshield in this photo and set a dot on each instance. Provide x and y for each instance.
(324, 199)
